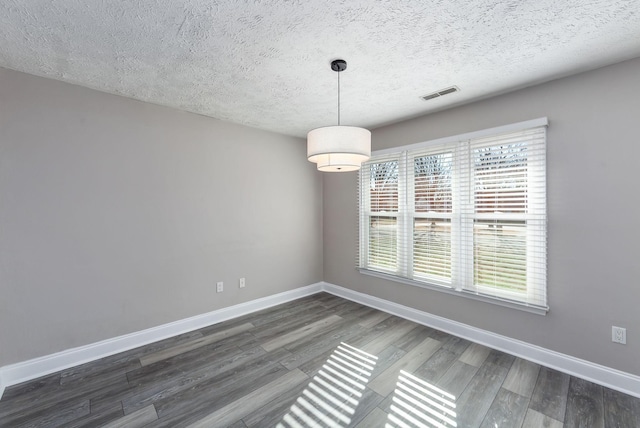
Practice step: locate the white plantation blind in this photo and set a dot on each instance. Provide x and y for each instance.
(379, 219)
(430, 211)
(467, 215)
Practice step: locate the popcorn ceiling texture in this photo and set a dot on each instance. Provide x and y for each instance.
(266, 63)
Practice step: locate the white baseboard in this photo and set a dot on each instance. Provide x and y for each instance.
(32, 369)
(596, 373)
(605, 376)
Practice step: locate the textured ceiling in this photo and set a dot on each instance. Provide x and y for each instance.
(266, 63)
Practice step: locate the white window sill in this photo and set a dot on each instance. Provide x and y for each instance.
(466, 294)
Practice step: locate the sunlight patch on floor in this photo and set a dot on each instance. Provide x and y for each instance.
(418, 403)
(333, 394)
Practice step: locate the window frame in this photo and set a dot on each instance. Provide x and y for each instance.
(461, 217)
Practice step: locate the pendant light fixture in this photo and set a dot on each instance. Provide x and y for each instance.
(338, 148)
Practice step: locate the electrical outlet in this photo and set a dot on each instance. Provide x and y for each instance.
(219, 287)
(241, 283)
(619, 335)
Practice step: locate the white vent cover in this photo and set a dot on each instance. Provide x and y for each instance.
(440, 93)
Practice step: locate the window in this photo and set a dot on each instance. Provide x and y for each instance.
(465, 214)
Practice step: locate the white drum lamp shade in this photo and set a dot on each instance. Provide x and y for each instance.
(338, 148)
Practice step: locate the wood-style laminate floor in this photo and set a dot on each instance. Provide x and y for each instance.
(316, 362)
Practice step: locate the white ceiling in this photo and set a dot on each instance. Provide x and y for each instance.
(266, 63)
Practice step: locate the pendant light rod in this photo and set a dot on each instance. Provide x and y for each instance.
(338, 65)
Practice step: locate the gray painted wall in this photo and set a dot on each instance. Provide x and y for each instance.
(117, 215)
(593, 208)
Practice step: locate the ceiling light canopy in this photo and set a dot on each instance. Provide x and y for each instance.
(338, 148)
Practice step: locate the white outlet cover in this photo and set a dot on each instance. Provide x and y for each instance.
(619, 335)
(219, 287)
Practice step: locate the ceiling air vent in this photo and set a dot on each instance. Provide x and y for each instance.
(440, 93)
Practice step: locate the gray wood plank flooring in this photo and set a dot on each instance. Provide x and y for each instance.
(315, 362)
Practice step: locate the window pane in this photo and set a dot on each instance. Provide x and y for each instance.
(432, 248)
(383, 242)
(500, 255)
(432, 183)
(501, 179)
(384, 187)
